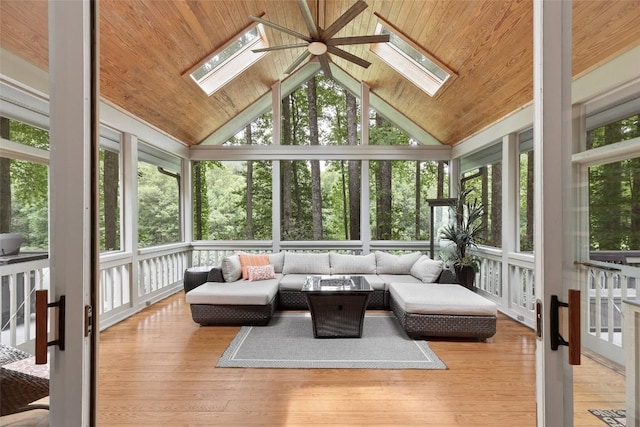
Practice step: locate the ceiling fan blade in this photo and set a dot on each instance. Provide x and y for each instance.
(308, 19)
(286, 46)
(280, 28)
(338, 41)
(348, 56)
(324, 64)
(344, 19)
(297, 62)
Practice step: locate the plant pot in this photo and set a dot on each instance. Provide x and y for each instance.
(466, 276)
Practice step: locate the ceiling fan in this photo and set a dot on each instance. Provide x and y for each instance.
(320, 42)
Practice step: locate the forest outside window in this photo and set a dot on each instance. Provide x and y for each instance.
(320, 112)
(24, 187)
(158, 197)
(110, 207)
(398, 197)
(232, 200)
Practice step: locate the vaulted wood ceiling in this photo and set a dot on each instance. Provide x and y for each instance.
(147, 45)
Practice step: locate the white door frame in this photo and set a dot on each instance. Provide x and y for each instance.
(553, 199)
(72, 253)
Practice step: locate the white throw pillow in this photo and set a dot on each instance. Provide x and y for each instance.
(387, 263)
(352, 264)
(231, 268)
(306, 263)
(426, 269)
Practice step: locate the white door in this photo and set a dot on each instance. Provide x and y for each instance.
(72, 241)
(554, 270)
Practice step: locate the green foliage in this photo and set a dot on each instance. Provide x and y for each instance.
(158, 207)
(464, 228)
(29, 189)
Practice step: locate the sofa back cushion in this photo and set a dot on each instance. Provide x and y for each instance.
(277, 260)
(387, 263)
(231, 268)
(306, 263)
(352, 264)
(426, 269)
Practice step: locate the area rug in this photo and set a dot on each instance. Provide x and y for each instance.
(611, 417)
(288, 342)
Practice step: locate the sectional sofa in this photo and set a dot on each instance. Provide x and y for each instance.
(246, 289)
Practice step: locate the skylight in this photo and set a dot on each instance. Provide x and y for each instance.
(229, 61)
(407, 59)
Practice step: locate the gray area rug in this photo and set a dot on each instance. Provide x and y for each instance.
(611, 417)
(288, 342)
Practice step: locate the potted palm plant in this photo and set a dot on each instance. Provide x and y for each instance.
(462, 230)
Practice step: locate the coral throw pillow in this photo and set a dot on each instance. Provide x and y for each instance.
(261, 272)
(247, 260)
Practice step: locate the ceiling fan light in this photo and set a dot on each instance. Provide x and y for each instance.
(317, 48)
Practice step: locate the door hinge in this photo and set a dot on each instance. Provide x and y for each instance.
(88, 320)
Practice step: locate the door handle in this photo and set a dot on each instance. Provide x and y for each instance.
(574, 325)
(42, 323)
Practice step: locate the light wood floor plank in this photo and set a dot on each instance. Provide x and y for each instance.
(158, 368)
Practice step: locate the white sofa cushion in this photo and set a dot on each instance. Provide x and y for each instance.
(277, 260)
(231, 268)
(387, 263)
(292, 282)
(426, 269)
(388, 279)
(241, 292)
(352, 264)
(306, 263)
(377, 284)
(440, 299)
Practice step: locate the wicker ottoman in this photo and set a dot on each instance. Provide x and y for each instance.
(442, 310)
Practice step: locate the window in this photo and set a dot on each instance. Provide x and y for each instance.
(226, 63)
(398, 197)
(526, 190)
(232, 200)
(158, 197)
(320, 112)
(24, 187)
(110, 197)
(486, 184)
(411, 61)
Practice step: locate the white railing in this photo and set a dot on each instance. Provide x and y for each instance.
(604, 287)
(124, 289)
(515, 295)
(17, 299)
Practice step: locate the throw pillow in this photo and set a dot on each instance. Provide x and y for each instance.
(231, 268)
(248, 259)
(260, 272)
(427, 270)
(387, 263)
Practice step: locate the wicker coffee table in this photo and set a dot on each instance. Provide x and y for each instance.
(337, 305)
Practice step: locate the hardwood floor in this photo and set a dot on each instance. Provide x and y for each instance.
(158, 368)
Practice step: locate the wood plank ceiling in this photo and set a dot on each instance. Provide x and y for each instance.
(146, 46)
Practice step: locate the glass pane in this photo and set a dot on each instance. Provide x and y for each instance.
(398, 197)
(614, 210)
(320, 112)
(109, 181)
(385, 132)
(486, 183)
(526, 202)
(29, 135)
(158, 206)
(257, 132)
(611, 133)
(232, 200)
(320, 200)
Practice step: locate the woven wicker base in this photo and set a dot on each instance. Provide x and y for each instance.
(295, 300)
(444, 325)
(236, 315)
